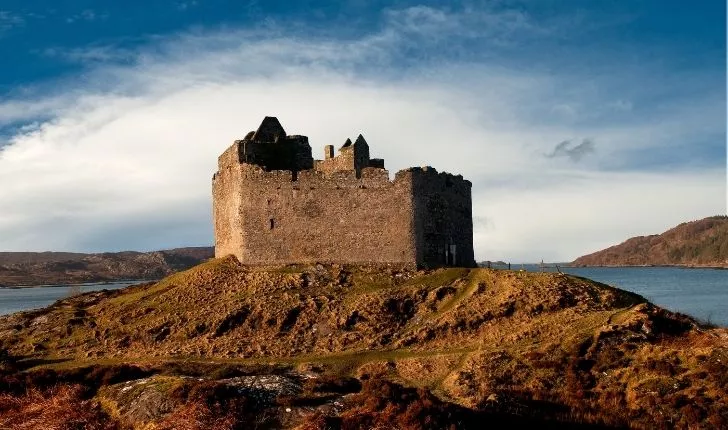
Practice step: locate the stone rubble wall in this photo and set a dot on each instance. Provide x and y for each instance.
(270, 218)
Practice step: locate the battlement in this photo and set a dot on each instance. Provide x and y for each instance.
(368, 177)
(274, 204)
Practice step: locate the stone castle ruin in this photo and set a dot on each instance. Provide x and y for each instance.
(274, 204)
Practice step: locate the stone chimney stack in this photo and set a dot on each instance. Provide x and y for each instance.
(328, 152)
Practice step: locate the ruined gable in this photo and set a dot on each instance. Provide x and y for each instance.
(269, 130)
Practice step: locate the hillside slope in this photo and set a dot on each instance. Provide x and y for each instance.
(41, 268)
(520, 345)
(702, 243)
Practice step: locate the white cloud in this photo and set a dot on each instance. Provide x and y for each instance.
(9, 20)
(127, 158)
(597, 210)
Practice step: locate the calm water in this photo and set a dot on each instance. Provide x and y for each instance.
(701, 293)
(21, 299)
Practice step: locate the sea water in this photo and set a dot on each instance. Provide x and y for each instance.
(701, 293)
(26, 298)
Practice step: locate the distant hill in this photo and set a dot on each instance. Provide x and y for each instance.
(40, 268)
(702, 243)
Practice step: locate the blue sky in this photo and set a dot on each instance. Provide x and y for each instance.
(580, 122)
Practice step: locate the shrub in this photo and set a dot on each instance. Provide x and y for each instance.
(62, 407)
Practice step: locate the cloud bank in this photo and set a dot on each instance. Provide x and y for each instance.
(122, 157)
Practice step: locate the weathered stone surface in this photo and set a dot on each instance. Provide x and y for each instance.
(273, 204)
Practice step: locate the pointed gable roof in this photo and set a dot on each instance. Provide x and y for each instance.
(269, 130)
(346, 144)
(360, 141)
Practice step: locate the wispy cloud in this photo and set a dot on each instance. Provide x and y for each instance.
(506, 25)
(91, 54)
(185, 5)
(9, 20)
(86, 15)
(123, 158)
(574, 152)
(621, 105)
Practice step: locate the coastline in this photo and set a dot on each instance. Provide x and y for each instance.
(79, 284)
(623, 266)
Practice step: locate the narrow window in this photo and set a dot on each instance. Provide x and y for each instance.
(272, 223)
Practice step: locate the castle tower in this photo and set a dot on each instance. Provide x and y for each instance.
(270, 148)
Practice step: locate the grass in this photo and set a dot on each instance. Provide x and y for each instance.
(463, 291)
(438, 386)
(463, 333)
(439, 277)
(343, 362)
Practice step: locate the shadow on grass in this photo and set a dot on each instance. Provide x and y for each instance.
(22, 363)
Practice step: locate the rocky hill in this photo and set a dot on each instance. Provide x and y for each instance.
(702, 243)
(227, 346)
(43, 268)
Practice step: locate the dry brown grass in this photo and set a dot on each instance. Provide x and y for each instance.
(542, 345)
(59, 408)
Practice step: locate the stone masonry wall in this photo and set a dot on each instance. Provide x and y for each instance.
(351, 156)
(227, 197)
(270, 218)
(443, 218)
(341, 162)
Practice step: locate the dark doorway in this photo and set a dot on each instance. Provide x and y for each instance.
(451, 255)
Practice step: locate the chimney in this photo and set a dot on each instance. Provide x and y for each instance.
(328, 152)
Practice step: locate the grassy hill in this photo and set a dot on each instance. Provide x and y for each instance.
(354, 347)
(702, 243)
(43, 268)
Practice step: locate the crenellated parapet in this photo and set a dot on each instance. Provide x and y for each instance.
(430, 179)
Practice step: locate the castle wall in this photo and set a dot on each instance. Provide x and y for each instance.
(227, 194)
(443, 218)
(342, 162)
(351, 157)
(270, 218)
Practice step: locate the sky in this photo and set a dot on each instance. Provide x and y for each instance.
(580, 123)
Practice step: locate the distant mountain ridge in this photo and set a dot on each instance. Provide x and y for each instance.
(42, 268)
(702, 243)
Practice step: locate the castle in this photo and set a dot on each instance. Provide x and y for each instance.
(274, 204)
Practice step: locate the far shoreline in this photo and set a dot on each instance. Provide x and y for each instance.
(625, 266)
(515, 265)
(80, 284)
